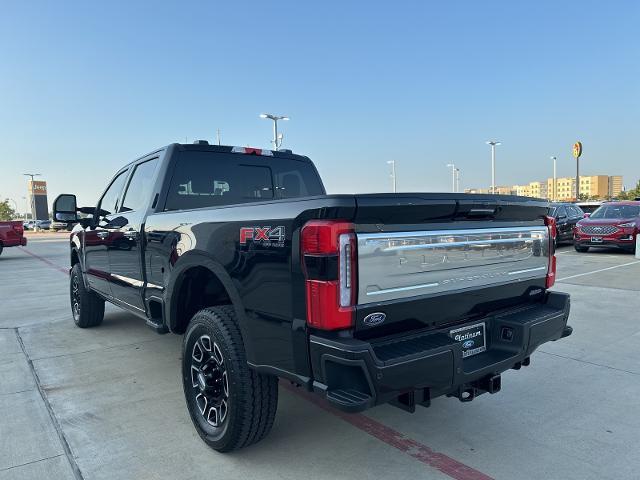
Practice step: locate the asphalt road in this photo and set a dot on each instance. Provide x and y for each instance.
(107, 403)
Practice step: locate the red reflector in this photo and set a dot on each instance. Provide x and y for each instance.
(323, 311)
(551, 273)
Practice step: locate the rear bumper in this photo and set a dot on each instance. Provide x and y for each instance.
(355, 375)
(15, 242)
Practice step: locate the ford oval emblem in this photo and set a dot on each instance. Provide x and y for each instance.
(374, 319)
(468, 344)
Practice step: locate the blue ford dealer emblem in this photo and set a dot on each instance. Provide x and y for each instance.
(468, 344)
(374, 319)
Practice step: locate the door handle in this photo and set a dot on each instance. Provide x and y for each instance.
(103, 235)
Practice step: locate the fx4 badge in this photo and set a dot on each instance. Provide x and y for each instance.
(266, 236)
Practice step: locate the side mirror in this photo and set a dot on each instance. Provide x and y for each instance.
(587, 215)
(65, 208)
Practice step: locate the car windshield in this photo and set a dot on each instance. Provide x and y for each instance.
(552, 211)
(617, 211)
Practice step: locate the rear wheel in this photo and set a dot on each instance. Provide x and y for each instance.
(580, 248)
(231, 406)
(1, 247)
(86, 306)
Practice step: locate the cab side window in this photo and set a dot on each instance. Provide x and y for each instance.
(138, 193)
(561, 212)
(110, 198)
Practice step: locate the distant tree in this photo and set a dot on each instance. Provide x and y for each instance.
(630, 194)
(583, 197)
(6, 212)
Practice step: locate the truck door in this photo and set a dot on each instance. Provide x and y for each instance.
(125, 254)
(97, 238)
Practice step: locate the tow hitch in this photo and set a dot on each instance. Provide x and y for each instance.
(469, 391)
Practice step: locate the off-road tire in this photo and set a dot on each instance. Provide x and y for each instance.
(580, 248)
(252, 398)
(87, 307)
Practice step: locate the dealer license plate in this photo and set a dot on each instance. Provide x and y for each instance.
(473, 339)
(596, 239)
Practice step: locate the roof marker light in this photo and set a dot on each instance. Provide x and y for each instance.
(252, 151)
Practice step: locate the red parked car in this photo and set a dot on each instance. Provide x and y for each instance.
(613, 224)
(11, 235)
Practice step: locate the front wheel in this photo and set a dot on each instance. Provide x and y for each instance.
(231, 406)
(580, 248)
(87, 307)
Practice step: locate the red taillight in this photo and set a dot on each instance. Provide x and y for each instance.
(550, 222)
(328, 259)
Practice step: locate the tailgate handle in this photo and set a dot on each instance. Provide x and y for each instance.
(481, 212)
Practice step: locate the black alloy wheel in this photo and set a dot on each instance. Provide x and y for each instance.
(209, 381)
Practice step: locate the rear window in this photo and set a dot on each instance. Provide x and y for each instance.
(617, 211)
(209, 179)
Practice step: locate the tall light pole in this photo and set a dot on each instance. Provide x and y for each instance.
(453, 176)
(457, 179)
(33, 201)
(555, 196)
(277, 139)
(393, 174)
(494, 144)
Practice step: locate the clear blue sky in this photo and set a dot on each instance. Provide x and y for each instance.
(88, 86)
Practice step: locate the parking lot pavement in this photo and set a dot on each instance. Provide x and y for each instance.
(106, 403)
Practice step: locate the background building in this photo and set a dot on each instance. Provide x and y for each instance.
(601, 187)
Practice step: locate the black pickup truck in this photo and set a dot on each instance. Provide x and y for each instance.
(363, 299)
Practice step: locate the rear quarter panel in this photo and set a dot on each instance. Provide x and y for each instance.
(262, 276)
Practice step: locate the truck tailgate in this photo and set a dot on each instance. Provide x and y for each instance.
(427, 260)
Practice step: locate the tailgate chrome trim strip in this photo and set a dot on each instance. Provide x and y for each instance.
(399, 265)
(403, 289)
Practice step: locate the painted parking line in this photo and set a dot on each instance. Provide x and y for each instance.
(439, 461)
(44, 260)
(598, 271)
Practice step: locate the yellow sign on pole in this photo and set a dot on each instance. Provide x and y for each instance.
(577, 149)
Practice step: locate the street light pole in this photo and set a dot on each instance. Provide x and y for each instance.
(277, 139)
(555, 196)
(494, 144)
(453, 176)
(393, 174)
(457, 179)
(33, 203)
(577, 179)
